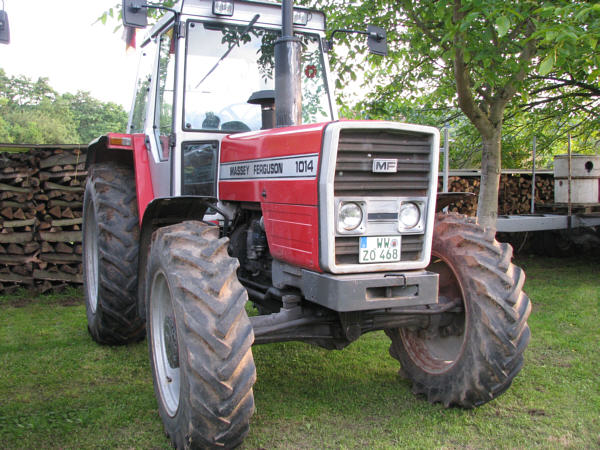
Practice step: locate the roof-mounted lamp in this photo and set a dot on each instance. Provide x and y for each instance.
(222, 7)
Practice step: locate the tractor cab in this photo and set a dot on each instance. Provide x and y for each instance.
(207, 70)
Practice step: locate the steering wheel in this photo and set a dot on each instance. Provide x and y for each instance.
(240, 112)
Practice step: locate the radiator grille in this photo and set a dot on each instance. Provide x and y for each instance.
(358, 148)
(346, 249)
(354, 177)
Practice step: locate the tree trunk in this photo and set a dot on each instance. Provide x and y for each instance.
(487, 209)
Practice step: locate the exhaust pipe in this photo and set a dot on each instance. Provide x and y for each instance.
(288, 95)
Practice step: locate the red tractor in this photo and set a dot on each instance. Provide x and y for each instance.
(237, 182)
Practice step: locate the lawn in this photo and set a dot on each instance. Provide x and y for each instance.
(58, 389)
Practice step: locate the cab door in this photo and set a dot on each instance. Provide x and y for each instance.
(160, 137)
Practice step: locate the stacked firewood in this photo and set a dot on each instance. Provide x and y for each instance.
(18, 219)
(63, 179)
(514, 196)
(515, 193)
(41, 194)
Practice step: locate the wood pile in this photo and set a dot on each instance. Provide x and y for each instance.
(514, 196)
(41, 199)
(41, 202)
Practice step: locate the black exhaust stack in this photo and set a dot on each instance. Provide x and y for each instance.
(288, 96)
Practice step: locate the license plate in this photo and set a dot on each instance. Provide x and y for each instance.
(374, 249)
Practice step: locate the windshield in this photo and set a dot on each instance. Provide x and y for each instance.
(217, 90)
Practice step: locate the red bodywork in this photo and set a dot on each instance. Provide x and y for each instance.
(289, 206)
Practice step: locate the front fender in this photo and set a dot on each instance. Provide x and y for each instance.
(162, 212)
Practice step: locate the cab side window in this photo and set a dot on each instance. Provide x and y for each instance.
(142, 90)
(163, 121)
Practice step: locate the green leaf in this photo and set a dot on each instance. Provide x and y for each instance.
(503, 25)
(546, 65)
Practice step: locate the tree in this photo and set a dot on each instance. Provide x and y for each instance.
(93, 117)
(471, 53)
(31, 112)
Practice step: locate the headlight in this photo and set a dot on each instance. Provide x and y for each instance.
(350, 216)
(410, 215)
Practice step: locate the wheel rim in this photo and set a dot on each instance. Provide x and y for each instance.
(90, 239)
(436, 350)
(164, 344)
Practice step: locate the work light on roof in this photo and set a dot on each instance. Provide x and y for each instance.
(222, 7)
(300, 17)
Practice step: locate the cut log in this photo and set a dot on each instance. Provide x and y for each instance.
(18, 223)
(15, 249)
(67, 222)
(49, 186)
(61, 247)
(31, 247)
(7, 187)
(16, 238)
(67, 213)
(55, 211)
(58, 258)
(57, 276)
(61, 236)
(19, 214)
(15, 278)
(62, 159)
(7, 212)
(52, 203)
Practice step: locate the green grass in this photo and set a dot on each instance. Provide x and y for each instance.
(58, 389)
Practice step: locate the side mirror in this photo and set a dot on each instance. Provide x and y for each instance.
(135, 13)
(377, 41)
(4, 28)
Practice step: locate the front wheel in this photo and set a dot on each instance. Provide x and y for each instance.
(199, 337)
(469, 356)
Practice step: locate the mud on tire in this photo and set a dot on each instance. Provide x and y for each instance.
(470, 356)
(199, 337)
(110, 255)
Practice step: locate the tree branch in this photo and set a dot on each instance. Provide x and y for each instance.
(571, 82)
(463, 81)
(410, 9)
(510, 88)
(529, 106)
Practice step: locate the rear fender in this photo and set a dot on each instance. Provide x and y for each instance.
(111, 147)
(129, 150)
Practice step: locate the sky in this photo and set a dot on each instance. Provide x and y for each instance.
(58, 39)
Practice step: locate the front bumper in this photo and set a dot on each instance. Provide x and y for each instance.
(359, 292)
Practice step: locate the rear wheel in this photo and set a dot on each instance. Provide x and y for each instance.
(469, 356)
(110, 252)
(199, 337)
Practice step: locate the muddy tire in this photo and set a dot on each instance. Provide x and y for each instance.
(110, 255)
(471, 355)
(199, 337)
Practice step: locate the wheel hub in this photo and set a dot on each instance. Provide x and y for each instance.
(435, 349)
(171, 347)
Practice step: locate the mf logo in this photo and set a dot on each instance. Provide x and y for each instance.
(385, 165)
